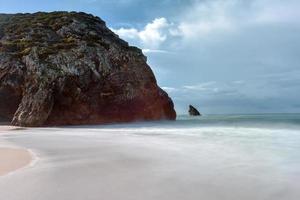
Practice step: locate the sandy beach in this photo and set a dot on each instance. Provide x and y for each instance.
(13, 159)
(150, 163)
(5, 128)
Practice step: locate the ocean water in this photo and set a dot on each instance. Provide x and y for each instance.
(272, 121)
(275, 134)
(259, 151)
(212, 157)
(266, 137)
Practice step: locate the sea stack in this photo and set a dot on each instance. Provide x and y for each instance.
(193, 111)
(68, 68)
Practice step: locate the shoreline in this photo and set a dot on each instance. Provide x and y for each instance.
(5, 128)
(13, 158)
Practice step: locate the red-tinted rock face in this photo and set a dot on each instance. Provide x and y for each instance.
(69, 69)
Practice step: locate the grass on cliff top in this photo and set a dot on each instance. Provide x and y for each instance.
(25, 31)
(22, 47)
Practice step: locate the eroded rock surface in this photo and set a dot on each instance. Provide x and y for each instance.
(193, 111)
(65, 68)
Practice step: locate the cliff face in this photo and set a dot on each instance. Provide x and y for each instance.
(65, 68)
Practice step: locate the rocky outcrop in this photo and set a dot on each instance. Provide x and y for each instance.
(193, 111)
(66, 68)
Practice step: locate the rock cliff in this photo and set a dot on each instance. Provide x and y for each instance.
(68, 68)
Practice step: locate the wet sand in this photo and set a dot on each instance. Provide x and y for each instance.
(5, 128)
(12, 159)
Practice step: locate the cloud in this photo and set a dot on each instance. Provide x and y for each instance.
(151, 36)
(277, 11)
(240, 82)
(153, 33)
(202, 19)
(205, 18)
(205, 90)
(207, 86)
(169, 89)
(227, 55)
(127, 33)
(155, 51)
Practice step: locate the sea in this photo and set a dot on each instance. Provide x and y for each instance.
(273, 137)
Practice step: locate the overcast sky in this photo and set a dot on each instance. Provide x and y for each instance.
(223, 56)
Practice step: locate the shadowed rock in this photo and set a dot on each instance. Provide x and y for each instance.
(193, 111)
(66, 68)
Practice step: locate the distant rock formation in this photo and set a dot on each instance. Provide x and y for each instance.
(68, 68)
(193, 111)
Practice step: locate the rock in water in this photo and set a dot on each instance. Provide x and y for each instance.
(193, 111)
(64, 68)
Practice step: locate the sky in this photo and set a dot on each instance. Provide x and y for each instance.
(222, 56)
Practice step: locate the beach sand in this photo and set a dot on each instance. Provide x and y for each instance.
(12, 159)
(144, 164)
(5, 128)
